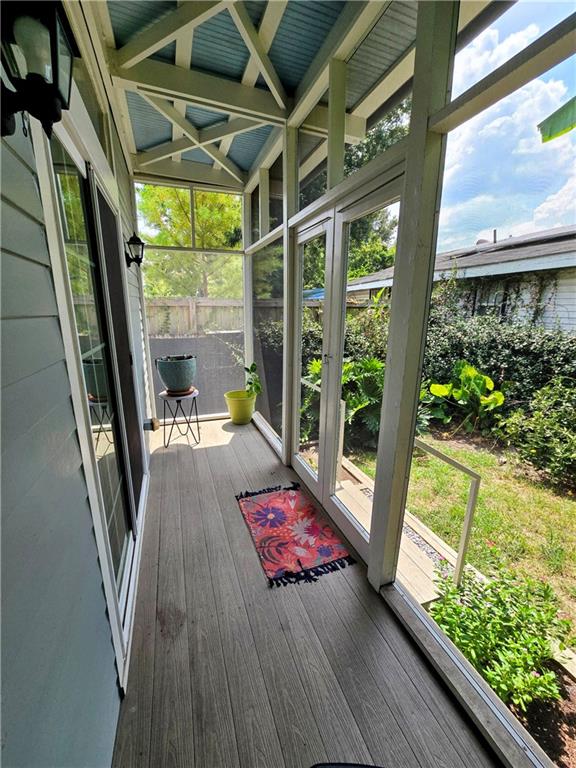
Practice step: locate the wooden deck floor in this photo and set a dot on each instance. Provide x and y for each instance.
(226, 672)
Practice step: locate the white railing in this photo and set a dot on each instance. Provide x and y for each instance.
(472, 491)
(470, 506)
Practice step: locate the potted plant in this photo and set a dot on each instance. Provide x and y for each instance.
(177, 373)
(241, 402)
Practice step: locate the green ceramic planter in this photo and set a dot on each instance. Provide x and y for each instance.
(177, 372)
(240, 405)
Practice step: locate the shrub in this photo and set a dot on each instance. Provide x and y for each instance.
(520, 358)
(505, 628)
(362, 387)
(545, 433)
(470, 394)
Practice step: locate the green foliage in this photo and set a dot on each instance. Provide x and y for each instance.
(469, 393)
(545, 433)
(519, 357)
(362, 387)
(505, 627)
(253, 383)
(165, 220)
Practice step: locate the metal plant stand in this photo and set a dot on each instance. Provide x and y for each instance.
(191, 420)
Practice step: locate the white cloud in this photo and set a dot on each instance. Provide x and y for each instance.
(485, 53)
(559, 209)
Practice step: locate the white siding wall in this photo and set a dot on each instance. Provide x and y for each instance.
(60, 700)
(561, 309)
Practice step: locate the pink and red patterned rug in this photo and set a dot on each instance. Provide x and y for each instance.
(291, 536)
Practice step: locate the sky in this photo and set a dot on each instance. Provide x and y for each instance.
(498, 174)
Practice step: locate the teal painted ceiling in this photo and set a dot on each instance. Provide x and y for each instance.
(218, 49)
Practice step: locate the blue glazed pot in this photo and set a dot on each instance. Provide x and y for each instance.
(177, 372)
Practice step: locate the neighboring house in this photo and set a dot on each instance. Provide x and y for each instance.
(530, 277)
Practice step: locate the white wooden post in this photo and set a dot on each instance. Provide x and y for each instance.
(247, 283)
(336, 121)
(290, 207)
(264, 201)
(413, 270)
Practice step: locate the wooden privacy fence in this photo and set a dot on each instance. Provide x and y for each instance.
(193, 316)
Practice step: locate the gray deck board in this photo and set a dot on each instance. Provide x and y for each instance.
(226, 672)
(214, 734)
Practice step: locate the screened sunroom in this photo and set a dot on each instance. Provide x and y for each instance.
(221, 175)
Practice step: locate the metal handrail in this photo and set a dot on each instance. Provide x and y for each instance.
(470, 507)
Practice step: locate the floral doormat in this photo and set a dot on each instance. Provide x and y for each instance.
(291, 536)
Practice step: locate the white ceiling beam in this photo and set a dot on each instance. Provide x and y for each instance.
(537, 58)
(353, 24)
(162, 151)
(184, 18)
(268, 26)
(186, 170)
(257, 50)
(222, 131)
(170, 82)
(316, 123)
(191, 132)
(185, 142)
(182, 58)
(313, 160)
(336, 122)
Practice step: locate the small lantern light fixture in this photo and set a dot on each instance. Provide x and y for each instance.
(38, 56)
(135, 252)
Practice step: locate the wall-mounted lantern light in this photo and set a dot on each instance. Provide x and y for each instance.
(135, 251)
(37, 56)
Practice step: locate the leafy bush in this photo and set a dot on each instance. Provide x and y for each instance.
(520, 358)
(505, 628)
(469, 393)
(545, 433)
(362, 387)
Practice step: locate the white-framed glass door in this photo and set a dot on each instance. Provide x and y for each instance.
(313, 277)
(338, 387)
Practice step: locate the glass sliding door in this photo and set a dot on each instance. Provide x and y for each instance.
(91, 328)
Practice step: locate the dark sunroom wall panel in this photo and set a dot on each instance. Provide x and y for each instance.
(148, 125)
(389, 39)
(60, 699)
(246, 146)
(129, 18)
(301, 33)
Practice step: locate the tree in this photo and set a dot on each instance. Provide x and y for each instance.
(165, 220)
(371, 240)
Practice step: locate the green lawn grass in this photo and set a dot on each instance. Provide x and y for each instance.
(532, 527)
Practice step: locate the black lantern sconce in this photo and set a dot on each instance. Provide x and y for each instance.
(37, 55)
(135, 252)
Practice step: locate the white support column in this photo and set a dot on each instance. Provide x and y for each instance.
(290, 207)
(413, 270)
(248, 317)
(264, 201)
(336, 121)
